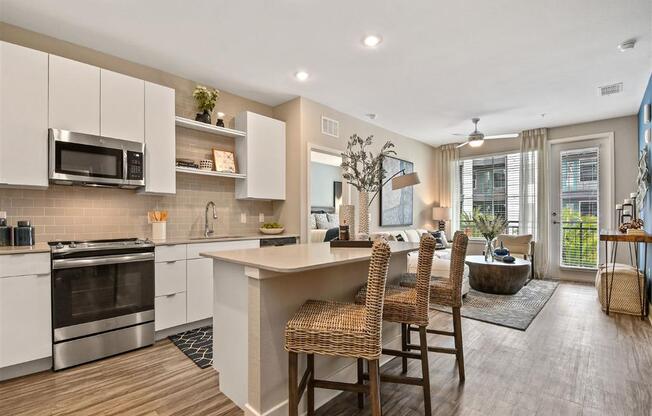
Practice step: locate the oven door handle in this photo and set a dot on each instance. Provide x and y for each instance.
(101, 260)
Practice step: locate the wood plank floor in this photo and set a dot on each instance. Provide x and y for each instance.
(572, 360)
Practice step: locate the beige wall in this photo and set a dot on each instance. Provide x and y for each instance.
(83, 213)
(625, 131)
(421, 154)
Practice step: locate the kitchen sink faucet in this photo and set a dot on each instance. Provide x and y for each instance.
(208, 231)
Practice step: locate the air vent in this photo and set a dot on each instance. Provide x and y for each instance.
(330, 127)
(610, 89)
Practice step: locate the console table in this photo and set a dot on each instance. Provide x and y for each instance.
(616, 237)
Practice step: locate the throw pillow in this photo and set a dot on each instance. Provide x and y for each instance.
(321, 221)
(399, 237)
(440, 239)
(313, 222)
(333, 220)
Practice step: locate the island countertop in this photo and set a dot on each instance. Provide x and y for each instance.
(301, 257)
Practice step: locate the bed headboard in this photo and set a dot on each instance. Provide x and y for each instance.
(322, 210)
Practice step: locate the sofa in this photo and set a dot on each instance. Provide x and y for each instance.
(440, 261)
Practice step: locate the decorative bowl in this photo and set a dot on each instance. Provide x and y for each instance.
(271, 231)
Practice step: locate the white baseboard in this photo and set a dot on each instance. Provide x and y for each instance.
(164, 333)
(349, 373)
(23, 369)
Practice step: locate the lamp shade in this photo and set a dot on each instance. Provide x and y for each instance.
(402, 181)
(441, 213)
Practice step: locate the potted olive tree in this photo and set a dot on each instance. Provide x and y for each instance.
(364, 171)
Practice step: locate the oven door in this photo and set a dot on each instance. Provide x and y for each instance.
(97, 294)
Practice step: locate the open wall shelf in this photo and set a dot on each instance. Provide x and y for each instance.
(208, 128)
(194, 171)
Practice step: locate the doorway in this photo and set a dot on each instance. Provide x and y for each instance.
(580, 202)
(325, 192)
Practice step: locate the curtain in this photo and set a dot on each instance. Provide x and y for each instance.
(534, 201)
(449, 188)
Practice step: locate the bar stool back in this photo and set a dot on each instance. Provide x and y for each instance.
(339, 329)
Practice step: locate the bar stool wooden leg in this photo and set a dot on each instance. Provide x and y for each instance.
(425, 370)
(459, 349)
(374, 387)
(404, 342)
(293, 386)
(360, 381)
(311, 384)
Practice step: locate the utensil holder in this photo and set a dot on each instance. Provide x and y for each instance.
(159, 230)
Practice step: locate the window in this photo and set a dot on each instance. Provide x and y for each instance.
(492, 186)
(588, 170)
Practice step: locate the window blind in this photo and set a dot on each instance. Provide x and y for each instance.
(579, 193)
(492, 186)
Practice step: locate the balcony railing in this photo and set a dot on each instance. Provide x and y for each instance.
(512, 228)
(579, 244)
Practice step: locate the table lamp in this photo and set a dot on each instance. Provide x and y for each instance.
(441, 214)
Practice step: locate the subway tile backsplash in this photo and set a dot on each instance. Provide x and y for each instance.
(82, 213)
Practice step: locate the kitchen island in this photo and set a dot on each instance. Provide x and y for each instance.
(256, 291)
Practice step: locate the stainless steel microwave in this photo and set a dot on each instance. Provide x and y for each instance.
(95, 160)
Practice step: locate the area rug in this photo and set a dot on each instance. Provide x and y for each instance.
(197, 344)
(512, 311)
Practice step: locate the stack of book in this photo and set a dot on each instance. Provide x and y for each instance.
(187, 163)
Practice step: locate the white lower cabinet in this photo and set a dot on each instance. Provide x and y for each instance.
(199, 284)
(25, 315)
(184, 281)
(170, 310)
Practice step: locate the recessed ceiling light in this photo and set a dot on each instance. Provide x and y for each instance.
(626, 45)
(302, 75)
(371, 116)
(371, 41)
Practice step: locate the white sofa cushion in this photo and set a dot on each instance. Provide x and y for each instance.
(441, 265)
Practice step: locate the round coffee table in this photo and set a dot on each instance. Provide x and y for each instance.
(497, 277)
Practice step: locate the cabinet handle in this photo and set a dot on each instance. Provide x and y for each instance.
(170, 295)
(43, 274)
(171, 261)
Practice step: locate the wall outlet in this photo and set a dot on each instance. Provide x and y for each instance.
(243, 217)
(261, 217)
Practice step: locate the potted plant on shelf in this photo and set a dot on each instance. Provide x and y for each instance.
(205, 98)
(490, 227)
(364, 171)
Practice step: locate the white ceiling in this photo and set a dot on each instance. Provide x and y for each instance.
(441, 62)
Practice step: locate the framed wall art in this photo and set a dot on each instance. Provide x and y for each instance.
(396, 206)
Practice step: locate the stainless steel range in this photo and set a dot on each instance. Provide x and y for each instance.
(102, 298)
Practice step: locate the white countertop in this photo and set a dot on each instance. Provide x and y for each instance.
(37, 248)
(301, 257)
(193, 240)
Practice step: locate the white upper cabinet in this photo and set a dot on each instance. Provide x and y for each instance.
(261, 155)
(122, 106)
(160, 152)
(23, 116)
(74, 96)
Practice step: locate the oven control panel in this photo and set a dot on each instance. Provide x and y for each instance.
(134, 166)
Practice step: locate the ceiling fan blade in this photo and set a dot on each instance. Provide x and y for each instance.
(462, 145)
(502, 136)
(458, 134)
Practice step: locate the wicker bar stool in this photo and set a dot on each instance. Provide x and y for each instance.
(408, 306)
(339, 329)
(446, 292)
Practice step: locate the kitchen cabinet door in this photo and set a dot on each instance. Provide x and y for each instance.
(25, 319)
(23, 116)
(170, 310)
(122, 106)
(74, 100)
(160, 136)
(261, 155)
(199, 289)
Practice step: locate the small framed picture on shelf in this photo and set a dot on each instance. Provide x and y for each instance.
(224, 161)
(647, 113)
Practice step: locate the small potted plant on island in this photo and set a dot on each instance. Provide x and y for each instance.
(205, 98)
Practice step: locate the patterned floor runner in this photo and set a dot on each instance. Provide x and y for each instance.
(197, 344)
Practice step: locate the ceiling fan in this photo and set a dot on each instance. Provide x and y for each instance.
(476, 138)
